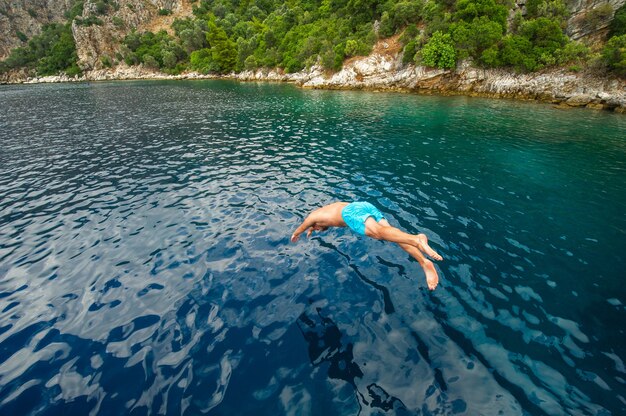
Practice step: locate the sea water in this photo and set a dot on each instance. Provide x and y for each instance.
(146, 268)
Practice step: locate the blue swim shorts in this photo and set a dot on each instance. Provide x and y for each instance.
(356, 213)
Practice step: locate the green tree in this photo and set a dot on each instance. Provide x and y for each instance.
(439, 51)
(471, 39)
(614, 54)
(169, 59)
(408, 53)
(545, 34)
(223, 49)
(552, 9)
(468, 10)
(517, 51)
(75, 10)
(50, 52)
(150, 61)
(351, 47)
(202, 61)
(386, 27)
(101, 6)
(618, 24)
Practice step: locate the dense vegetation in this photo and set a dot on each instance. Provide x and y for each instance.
(230, 35)
(614, 52)
(51, 52)
(226, 36)
(235, 35)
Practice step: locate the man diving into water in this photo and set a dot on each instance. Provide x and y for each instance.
(365, 219)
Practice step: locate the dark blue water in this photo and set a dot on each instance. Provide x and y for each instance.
(145, 266)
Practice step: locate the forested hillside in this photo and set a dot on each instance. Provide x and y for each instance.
(229, 35)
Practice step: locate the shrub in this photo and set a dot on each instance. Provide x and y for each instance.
(553, 9)
(575, 68)
(618, 24)
(545, 34)
(150, 61)
(223, 49)
(169, 59)
(89, 21)
(351, 47)
(106, 61)
(250, 62)
(21, 36)
(614, 54)
(293, 64)
(598, 15)
(117, 22)
(491, 57)
(409, 34)
(101, 7)
(439, 52)
(50, 52)
(164, 12)
(160, 46)
(201, 61)
(340, 55)
(408, 53)
(517, 51)
(75, 10)
(385, 29)
(399, 15)
(131, 59)
(471, 39)
(573, 51)
(406, 12)
(468, 10)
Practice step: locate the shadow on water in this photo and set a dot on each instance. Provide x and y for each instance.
(384, 291)
(324, 344)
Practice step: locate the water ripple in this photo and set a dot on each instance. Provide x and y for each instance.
(145, 266)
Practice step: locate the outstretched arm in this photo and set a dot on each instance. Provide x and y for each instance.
(307, 223)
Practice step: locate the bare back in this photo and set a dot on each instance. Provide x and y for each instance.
(329, 215)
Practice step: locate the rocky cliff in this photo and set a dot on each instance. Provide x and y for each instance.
(22, 19)
(95, 41)
(589, 19)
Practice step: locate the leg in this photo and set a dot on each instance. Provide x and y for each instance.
(426, 248)
(432, 278)
(383, 231)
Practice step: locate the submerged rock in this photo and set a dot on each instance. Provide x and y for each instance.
(579, 100)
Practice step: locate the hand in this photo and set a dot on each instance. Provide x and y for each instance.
(294, 238)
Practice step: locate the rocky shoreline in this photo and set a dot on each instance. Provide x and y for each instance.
(385, 72)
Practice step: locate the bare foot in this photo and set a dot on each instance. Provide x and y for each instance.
(432, 279)
(423, 246)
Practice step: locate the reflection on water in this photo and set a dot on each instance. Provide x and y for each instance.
(145, 266)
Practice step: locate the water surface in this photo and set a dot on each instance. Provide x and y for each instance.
(145, 266)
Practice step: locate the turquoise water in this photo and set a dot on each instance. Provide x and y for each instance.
(145, 266)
